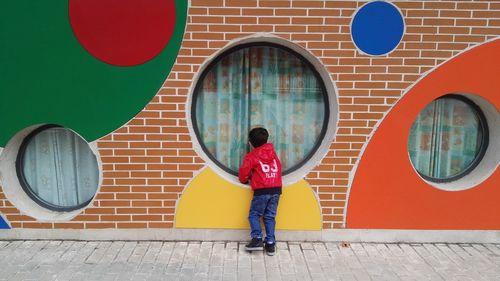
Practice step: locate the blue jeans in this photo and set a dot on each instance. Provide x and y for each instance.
(263, 206)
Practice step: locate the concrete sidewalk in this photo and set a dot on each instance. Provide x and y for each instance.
(119, 260)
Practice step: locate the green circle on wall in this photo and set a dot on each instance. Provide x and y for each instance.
(49, 74)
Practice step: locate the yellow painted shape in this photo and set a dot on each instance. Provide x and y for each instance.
(209, 201)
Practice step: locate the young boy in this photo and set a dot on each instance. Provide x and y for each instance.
(263, 167)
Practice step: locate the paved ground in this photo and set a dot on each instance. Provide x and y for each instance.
(118, 260)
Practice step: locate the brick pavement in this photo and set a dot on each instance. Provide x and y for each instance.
(155, 260)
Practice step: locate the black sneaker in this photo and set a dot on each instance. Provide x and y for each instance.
(270, 249)
(254, 245)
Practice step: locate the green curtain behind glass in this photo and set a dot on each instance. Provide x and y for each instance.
(260, 87)
(445, 138)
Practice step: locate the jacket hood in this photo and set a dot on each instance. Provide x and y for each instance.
(265, 153)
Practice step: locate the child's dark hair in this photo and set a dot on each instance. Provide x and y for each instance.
(258, 136)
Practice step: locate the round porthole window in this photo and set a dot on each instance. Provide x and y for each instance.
(448, 139)
(260, 85)
(57, 169)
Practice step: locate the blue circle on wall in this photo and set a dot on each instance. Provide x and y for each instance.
(377, 28)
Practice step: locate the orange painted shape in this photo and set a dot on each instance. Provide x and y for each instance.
(388, 194)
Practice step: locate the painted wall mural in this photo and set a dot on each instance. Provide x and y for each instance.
(84, 73)
(395, 196)
(92, 65)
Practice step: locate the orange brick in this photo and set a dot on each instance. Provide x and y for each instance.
(99, 225)
(127, 137)
(112, 144)
(276, 20)
(258, 28)
(340, 4)
(370, 69)
(333, 203)
(207, 19)
(241, 3)
(455, 14)
(324, 13)
(486, 14)
(147, 218)
(69, 225)
(177, 159)
(115, 218)
(224, 28)
(114, 203)
(178, 174)
(146, 203)
(145, 159)
(37, 225)
(386, 61)
(195, 27)
(130, 196)
(190, 167)
(161, 210)
(19, 218)
(241, 20)
(145, 188)
(307, 20)
(379, 108)
(145, 145)
(323, 28)
(86, 218)
(486, 31)
(338, 211)
(350, 93)
(132, 225)
(204, 3)
(454, 30)
(115, 160)
(130, 181)
(333, 218)
(172, 189)
(162, 196)
(257, 12)
(152, 114)
(105, 196)
(422, 29)
(161, 137)
(161, 225)
(290, 28)
(438, 21)
(114, 189)
(224, 11)
(403, 69)
(162, 167)
(325, 197)
(131, 210)
(11, 210)
(99, 211)
(145, 174)
(321, 181)
(290, 12)
(469, 38)
(206, 36)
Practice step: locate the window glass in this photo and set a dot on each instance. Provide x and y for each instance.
(260, 86)
(447, 138)
(58, 169)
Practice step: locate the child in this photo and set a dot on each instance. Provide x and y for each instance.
(263, 167)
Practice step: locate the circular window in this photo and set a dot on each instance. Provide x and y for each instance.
(260, 85)
(57, 169)
(448, 139)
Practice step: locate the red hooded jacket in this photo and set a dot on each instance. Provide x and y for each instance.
(263, 167)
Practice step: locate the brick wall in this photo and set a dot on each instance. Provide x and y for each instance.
(148, 162)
